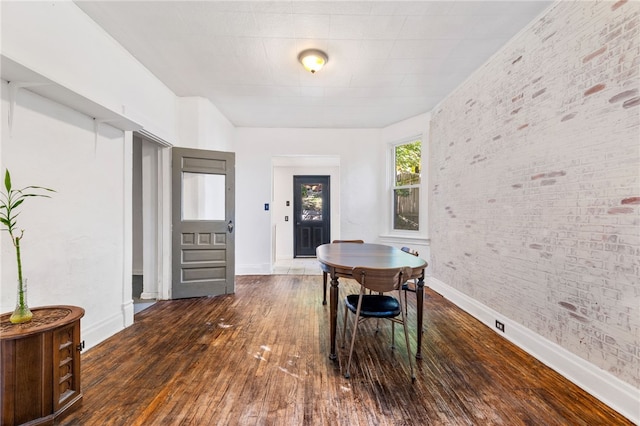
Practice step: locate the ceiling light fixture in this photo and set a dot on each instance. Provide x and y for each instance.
(313, 59)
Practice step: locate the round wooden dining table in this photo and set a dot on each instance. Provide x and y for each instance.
(338, 260)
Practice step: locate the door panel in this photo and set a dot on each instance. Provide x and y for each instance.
(203, 185)
(311, 212)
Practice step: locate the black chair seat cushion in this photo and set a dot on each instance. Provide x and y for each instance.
(374, 305)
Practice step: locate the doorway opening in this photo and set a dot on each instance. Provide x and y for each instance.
(147, 225)
(284, 168)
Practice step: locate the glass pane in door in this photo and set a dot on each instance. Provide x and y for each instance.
(311, 195)
(203, 196)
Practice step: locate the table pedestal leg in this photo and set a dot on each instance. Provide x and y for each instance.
(420, 307)
(333, 307)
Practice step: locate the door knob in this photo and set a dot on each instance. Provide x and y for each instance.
(230, 226)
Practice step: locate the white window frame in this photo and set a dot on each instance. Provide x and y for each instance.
(391, 180)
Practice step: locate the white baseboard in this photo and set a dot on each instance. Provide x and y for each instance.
(619, 395)
(255, 269)
(128, 312)
(96, 333)
(149, 295)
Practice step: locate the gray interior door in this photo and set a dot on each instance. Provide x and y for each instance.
(311, 213)
(203, 243)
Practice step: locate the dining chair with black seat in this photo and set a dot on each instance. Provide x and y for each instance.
(377, 304)
(324, 273)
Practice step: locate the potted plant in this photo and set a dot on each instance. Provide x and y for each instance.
(10, 200)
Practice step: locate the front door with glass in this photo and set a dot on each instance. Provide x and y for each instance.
(311, 214)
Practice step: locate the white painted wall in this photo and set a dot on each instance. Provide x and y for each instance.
(75, 246)
(202, 126)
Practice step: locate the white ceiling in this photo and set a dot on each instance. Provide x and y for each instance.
(388, 60)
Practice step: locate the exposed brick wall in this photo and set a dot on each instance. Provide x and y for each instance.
(535, 183)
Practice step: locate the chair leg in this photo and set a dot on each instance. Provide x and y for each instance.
(344, 326)
(353, 337)
(393, 335)
(377, 319)
(405, 303)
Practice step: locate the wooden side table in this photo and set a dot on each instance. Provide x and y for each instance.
(40, 376)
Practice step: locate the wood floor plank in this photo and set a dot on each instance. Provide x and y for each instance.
(260, 357)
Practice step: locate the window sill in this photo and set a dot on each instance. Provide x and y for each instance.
(402, 238)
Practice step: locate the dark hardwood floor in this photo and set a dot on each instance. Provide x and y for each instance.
(260, 357)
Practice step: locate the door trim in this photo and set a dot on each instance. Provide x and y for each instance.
(283, 168)
(162, 229)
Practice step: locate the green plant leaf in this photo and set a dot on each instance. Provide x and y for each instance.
(10, 200)
(37, 187)
(34, 195)
(7, 181)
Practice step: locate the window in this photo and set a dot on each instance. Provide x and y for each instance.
(407, 158)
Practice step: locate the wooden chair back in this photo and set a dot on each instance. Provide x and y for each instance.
(381, 280)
